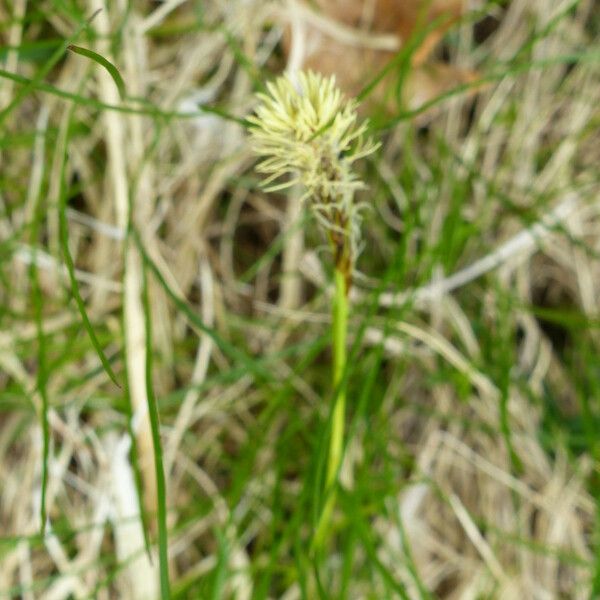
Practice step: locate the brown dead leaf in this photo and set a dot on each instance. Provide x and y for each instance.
(400, 17)
(354, 39)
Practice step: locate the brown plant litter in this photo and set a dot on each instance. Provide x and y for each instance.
(471, 341)
(357, 39)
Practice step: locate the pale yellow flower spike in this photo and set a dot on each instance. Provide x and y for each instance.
(309, 134)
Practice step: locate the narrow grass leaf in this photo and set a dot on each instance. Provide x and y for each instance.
(363, 532)
(135, 462)
(243, 59)
(148, 110)
(401, 58)
(41, 382)
(505, 71)
(112, 70)
(161, 487)
(252, 366)
(64, 244)
(42, 367)
(220, 574)
(32, 84)
(410, 562)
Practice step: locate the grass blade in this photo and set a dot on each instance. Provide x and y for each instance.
(32, 84)
(112, 70)
(148, 110)
(252, 366)
(42, 377)
(64, 244)
(161, 488)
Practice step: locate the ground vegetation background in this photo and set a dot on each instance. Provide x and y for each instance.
(130, 210)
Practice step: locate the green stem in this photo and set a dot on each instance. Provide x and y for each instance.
(340, 328)
(336, 440)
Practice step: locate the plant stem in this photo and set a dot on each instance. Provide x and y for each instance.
(340, 328)
(336, 440)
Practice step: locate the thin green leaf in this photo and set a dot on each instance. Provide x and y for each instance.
(243, 59)
(364, 533)
(42, 369)
(32, 84)
(161, 487)
(251, 365)
(112, 70)
(42, 379)
(220, 575)
(135, 463)
(64, 244)
(148, 110)
(507, 70)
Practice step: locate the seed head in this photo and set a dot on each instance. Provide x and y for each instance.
(309, 134)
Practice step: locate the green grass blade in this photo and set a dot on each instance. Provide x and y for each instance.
(135, 461)
(220, 573)
(148, 110)
(32, 84)
(251, 365)
(112, 70)
(410, 562)
(161, 487)
(401, 59)
(506, 70)
(243, 60)
(42, 367)
(64, 244)
(41, 381)
(363, 531)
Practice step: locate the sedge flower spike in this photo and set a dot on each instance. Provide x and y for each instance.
(308, 134)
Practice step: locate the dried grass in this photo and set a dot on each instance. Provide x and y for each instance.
(476, 525)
